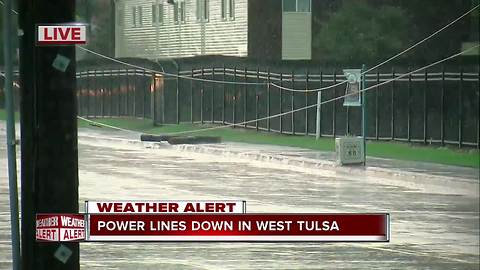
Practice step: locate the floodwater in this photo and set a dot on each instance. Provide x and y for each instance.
(434, 230)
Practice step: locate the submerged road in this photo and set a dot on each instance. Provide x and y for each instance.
(434, 230)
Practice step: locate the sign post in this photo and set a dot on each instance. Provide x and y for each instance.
(319, 115)
(352, 150)
(364, 117)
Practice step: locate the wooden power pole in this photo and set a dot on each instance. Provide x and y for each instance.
(49, 162)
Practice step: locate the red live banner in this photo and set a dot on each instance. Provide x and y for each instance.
(238, 227)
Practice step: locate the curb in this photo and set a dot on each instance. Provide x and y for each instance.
(418, 179)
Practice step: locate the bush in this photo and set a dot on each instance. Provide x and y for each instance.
(362, 33)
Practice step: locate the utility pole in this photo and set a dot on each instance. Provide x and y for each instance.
(11, 140)
(49, 156)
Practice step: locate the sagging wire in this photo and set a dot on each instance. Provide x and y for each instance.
(166, 73)
(305, 107)
(382, 63)
(274, 84)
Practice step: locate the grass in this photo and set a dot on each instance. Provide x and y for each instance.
(394, 150)
(3, 115)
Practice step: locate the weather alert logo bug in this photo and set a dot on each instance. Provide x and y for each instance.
(60, 227)
(61, 34)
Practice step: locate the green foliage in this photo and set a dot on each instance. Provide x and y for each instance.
(362, 33)
(1, 35)
(14, 37)
(98, 14)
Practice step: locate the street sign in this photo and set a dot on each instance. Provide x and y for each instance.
(349, 150)
(352, 91)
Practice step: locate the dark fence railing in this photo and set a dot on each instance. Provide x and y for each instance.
(104, 93)
(430, 107)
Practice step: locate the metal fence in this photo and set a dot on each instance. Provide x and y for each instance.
(432, 107)
(429, 107)
(109, 93)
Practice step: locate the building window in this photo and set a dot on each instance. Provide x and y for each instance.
(224, 9)
(303, 5)
(137, 16)
(140, 16)
(182, 11)
(297, 5)
(175, 12)
(160, 13)
(202, 10)
(157, 14)
(179, 12)
(154, 14)
(232, 9)
(134, 16)
(228, 9)
(206, 10)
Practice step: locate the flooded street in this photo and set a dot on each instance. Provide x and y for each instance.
(435, 230)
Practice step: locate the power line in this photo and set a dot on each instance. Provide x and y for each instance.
(330, 100)
(14, 11)
(168, 74)
(306, 107)
(423, 40)
(105, 125)
(386, 61)
(274, 84)
(287, 88)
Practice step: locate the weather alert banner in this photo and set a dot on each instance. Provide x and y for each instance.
(60, 227)
(164, 207)
(239, 227)
(206, 221)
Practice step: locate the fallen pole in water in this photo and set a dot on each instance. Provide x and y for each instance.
(194, 140)
(171, 139)
(154, 138)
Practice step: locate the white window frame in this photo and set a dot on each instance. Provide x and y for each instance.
(154, 14)
(137, 16)
(160, 14)
(175, 13)
(157, 14)
(227, 10)
(296, 8)
(203, 10)
(182, 11)
(224, 9)
(134, 16)
(179, 12)
(140, 16)
(231, 9)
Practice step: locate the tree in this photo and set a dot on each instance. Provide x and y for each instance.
(362, 33)
(98, 15)
(14, 39)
